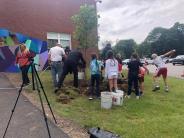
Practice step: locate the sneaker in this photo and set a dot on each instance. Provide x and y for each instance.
(128, 96)
(26, 84)
(156, 88)
(137, 97)
(56, 90)
(90, 98)
(166, 89)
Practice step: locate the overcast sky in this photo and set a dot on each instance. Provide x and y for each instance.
(124, 19)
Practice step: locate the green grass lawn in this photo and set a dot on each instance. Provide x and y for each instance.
(155, 115)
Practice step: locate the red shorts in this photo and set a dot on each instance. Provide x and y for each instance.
(163, 72)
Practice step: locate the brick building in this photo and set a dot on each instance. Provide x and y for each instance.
(44, 19)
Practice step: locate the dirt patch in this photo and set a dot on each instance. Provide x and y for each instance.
(69, 127)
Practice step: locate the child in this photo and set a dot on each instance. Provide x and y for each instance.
(111, 71)
(95, 76)
(133, 72)
(142, 72)
(120, 64)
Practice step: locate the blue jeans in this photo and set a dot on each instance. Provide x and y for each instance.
(56, 69)
(25, 70)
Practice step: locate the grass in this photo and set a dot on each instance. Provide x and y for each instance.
(155, 115)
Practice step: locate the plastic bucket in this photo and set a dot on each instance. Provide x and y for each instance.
(106, 100)
(80, 75)
(120, 92)
(117, 98)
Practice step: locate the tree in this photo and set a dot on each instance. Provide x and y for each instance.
(86, 27)
(105, 50)
(125, 48)
(161, 40)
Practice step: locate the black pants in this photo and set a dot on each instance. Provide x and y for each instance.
(95, 78)
(69, 67)
(24, 70)
(133, 79)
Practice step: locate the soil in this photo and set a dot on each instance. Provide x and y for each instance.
(69, 127)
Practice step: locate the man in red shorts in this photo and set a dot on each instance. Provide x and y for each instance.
(161, 69)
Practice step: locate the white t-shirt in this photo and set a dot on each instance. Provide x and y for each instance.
(111, 67)
(158, 61)
(56, 53)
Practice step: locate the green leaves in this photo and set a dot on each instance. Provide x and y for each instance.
(125, 48)
(86, 26)
(161, 40)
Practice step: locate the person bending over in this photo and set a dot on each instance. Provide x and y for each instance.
(71, 66)
(23, 60)
(161, 70)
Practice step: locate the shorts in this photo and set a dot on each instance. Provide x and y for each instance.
(163, 72)
(113, 77)
(141, 79)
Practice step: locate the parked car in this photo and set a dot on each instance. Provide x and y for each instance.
(178, 60)
(142, 61)
(149, 61)
(166, 60)
(170, 60)
(125, 62)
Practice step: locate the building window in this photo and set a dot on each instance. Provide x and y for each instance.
(61, 38)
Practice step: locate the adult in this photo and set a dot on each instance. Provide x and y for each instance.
(133, 73)
(111, 71)
(71, 66)
(67, 51)
(161, 70)
(23, 60)
(56, 54)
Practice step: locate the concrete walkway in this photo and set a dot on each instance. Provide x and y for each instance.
(27, 121)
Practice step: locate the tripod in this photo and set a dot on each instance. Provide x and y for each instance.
(35, 80)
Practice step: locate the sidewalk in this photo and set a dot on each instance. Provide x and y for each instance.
(27, 121)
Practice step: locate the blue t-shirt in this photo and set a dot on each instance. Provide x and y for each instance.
(94, 67)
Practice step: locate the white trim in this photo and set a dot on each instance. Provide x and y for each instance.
(59, 37)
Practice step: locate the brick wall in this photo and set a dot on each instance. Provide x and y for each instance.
(37, 17)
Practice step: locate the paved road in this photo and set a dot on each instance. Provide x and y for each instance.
(174, 71)
(27, 121)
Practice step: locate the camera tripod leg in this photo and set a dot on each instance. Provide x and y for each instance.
(44, 114)
(32, 69)
(45, 95)
(20, 90)
(41, 101)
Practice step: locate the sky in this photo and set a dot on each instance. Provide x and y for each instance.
(126, 19)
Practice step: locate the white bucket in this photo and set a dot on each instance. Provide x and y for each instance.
(120, 92)
(117, 98)
(106, 100)
(80, 75)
